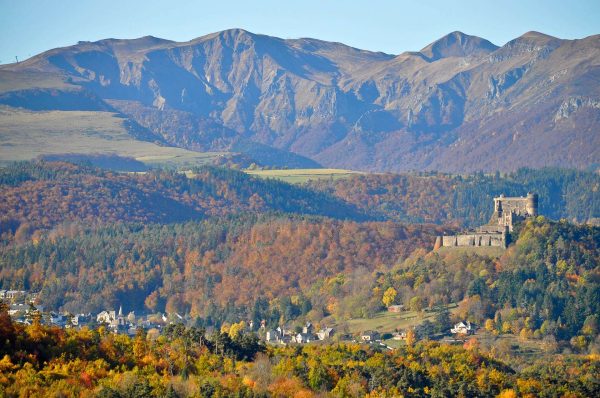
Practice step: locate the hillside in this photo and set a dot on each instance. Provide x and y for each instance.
(188, 362)
(216, 268)
(460, 104)
(286, 268)
(220, 244)
(466, 200)
(221, 250)
(40, 196)
(26, 135)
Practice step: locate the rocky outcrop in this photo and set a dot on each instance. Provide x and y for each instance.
(574, 104)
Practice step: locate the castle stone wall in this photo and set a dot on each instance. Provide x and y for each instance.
(475, 239)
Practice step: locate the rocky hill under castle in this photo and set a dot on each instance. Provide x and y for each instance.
(459, 104)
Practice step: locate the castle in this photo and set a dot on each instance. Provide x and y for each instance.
(507, 211)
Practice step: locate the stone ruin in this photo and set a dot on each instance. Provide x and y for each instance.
(507, 212)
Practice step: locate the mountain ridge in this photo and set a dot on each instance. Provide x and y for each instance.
(460, 104)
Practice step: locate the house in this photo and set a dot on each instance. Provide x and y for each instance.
(57, 319)
(81, 319)
(16, 309)
(273, 335)
(14, 294)
(325, 333)
(115, 321)
(132, 330)
(302, 338)
(399, 336)
(395, 308)
(286, 339)
(463, 328)
(308, 328)
(370, 335)
(148, 324)
(106, 317)
(284, 332)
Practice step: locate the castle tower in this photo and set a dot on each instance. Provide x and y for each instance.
(498, 213)
(438, 243)
(532, 204)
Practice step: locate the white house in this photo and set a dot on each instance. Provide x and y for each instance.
(325, 333)
(463, 328)
(302, 338)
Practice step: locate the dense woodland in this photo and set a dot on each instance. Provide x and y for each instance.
(220, 247)
(467, 200)
(37, 196)
(197, 267)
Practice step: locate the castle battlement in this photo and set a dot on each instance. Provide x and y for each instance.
(507, 211)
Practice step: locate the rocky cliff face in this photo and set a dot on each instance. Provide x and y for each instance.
(460, 104)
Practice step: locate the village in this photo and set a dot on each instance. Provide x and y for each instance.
(23, 308)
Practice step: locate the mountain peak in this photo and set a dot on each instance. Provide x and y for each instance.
(457, 44)
(227, 34)
(235, 32)
(536, 38)
(533, 35)
(137, 42)
(532, 41)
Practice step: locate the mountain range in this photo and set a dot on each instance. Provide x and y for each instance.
(461, 104)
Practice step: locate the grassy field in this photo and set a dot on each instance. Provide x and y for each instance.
(297, 176)
(388, 322)
(12, 81)
(25, 135)
(508, 345)
(512, 345)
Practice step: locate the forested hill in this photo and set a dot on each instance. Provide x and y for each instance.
(222, 264)
(467, 200)
(286, 268)
(223, 246)
(39, 196)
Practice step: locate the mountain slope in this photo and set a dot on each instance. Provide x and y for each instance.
(460, 104)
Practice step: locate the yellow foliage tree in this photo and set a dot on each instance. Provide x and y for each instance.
(236, 329)
(508, 394)
(411, 337)
(389, 296)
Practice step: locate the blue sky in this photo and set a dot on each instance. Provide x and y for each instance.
(29, 27)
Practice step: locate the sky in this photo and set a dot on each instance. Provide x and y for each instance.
(28, 27)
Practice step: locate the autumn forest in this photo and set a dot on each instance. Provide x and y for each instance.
(233, 256)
